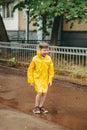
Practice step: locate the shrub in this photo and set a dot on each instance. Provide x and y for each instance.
(13, 62)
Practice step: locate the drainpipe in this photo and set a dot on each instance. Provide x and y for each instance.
(27, 26)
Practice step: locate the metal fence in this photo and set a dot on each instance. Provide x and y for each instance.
(69, 59)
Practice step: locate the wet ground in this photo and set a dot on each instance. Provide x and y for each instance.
(66, 101)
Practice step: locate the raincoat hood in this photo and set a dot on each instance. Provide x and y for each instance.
(39, 53)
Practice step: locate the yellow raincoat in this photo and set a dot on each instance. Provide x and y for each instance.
(40, 72)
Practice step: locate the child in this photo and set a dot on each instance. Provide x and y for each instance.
(40, 74)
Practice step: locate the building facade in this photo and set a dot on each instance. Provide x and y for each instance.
(75, 36)
(15, 24)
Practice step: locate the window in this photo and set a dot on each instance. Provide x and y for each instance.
(7, 10)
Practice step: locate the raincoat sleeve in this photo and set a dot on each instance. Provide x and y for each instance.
(51, 71)
(30, 72)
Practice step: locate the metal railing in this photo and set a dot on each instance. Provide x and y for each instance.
(69, 59)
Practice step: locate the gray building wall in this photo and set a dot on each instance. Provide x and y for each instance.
(74, 38)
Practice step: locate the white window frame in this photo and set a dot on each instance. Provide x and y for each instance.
(7, 10)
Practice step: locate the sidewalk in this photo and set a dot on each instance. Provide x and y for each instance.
(15, 120)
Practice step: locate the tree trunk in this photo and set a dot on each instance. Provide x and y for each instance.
(3, 33)
(44, 27)
(56, 31)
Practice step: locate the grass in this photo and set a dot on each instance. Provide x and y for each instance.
(74, 72)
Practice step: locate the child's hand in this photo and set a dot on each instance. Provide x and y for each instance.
(50, 84)
(31, 84)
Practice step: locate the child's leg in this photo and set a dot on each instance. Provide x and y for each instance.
(41, 106)
(37, 99)
(36, 109)
(42, 99)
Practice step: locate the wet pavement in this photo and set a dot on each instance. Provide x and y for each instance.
(15, 120)
(66, 101)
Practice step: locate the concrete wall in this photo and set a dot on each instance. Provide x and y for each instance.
(76, 26)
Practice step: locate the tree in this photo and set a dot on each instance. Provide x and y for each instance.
(53, 12)
(70, 10)
(2, 2)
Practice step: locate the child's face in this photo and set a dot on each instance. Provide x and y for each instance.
(44, 51)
